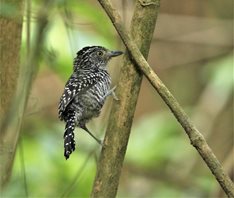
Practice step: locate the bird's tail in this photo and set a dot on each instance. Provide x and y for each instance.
(69, 141)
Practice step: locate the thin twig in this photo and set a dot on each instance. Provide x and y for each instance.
(22, 162)
(78, 174)
(196, 138)
(28, 25)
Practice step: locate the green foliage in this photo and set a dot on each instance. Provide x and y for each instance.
(48, 174)
(219, 73)
(153, 141)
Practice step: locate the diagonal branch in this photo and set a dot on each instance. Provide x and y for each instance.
(196, 138)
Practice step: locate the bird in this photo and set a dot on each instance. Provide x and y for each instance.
(85, 92)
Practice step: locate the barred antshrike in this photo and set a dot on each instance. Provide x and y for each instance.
(85, 92)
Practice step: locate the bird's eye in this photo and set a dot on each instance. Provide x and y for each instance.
(99, 53)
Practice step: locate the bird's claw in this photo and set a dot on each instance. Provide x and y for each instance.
(113, 93)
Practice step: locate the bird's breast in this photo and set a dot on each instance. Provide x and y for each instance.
(92, 100)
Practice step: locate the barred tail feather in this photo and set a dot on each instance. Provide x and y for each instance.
(69, 142)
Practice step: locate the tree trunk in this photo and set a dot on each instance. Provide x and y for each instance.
(13, 115)
(10, 43)
(121, 116)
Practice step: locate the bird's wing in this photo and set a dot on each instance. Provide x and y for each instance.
(76, 85)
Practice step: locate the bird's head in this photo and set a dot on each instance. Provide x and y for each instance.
(94, 56)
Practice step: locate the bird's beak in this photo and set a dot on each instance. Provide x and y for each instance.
(115, 53)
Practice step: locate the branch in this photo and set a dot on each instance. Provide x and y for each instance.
(122, 112)
(196, 138)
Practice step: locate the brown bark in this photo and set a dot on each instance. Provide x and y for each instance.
(122, 112)
(10, 43)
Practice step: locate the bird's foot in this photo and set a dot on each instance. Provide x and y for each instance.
(112, 92)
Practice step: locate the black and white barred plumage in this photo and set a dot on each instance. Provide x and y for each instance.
(85, 92)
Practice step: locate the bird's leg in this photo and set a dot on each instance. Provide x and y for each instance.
(85, 128)
(111, 92)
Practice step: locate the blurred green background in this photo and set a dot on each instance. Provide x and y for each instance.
(192, 52)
